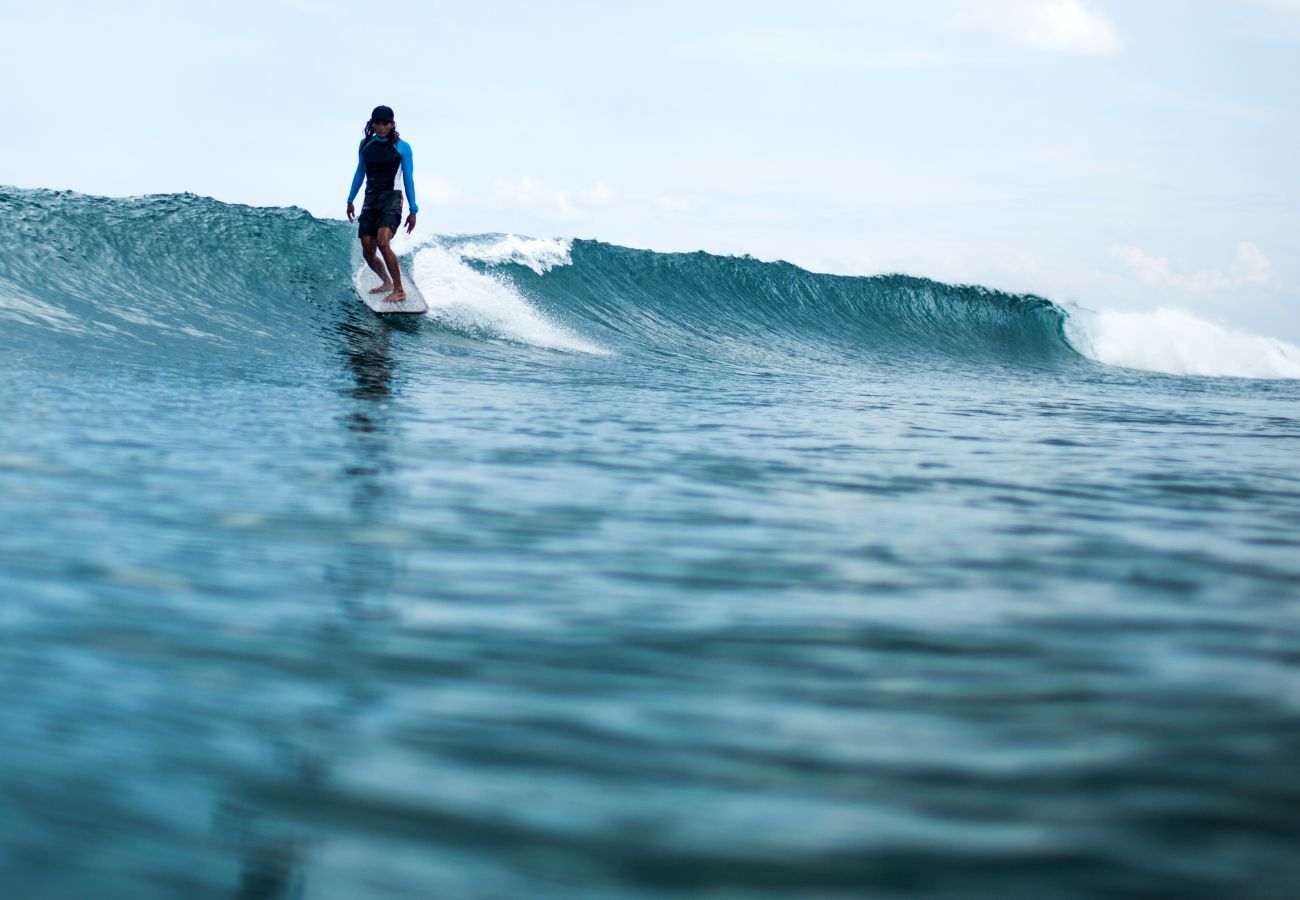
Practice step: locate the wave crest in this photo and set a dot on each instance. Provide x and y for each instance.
(144, 274)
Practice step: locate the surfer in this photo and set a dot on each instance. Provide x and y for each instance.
(381, 155)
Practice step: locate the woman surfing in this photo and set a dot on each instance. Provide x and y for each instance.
(380, 157)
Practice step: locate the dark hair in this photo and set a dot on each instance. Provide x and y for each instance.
(393, 135)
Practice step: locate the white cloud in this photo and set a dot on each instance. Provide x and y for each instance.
(599, 194)
(534, 195)
(1064, 26)
(537, 196)
(1250, 267)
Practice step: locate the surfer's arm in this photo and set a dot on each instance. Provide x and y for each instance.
(408, 183)
(357, 178)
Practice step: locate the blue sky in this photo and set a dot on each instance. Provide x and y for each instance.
(1118, 155)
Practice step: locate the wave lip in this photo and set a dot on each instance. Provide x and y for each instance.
(486, 305)
(539, 254)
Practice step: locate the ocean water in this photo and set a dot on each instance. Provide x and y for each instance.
(627, 575)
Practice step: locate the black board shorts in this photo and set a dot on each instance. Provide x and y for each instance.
(385, 212)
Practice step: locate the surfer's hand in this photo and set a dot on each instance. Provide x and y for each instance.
(410, 223)
(352, 212)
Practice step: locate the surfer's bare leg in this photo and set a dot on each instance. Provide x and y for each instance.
(390, 259)
(376, 265)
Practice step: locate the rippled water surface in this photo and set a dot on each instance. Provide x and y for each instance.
(619, 575)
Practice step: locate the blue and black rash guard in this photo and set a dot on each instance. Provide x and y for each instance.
(379, 162)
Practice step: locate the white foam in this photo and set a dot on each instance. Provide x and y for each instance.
(486, 306)
(1179, 343)
(539, 254)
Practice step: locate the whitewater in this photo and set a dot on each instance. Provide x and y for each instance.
(626, 574)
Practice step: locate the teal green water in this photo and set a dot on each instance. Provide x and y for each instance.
(621, 574)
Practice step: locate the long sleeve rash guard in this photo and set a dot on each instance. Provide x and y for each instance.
(378, 165)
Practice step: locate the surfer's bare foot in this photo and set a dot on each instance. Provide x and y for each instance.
(396, 296)
(386, 286)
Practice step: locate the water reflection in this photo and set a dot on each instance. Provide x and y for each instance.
(363, 579)
(272, 858)
(273, 852)
(367, 348)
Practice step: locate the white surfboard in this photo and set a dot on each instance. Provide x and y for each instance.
(364, 279)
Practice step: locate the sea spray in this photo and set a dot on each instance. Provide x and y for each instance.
(1179, 343)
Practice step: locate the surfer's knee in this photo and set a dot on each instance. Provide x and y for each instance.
(382, 240)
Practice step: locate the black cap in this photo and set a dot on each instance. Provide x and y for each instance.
(382, 114)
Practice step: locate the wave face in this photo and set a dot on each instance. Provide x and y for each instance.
(176, 276)
(193, 276)
(697, 303)
(203, 280)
